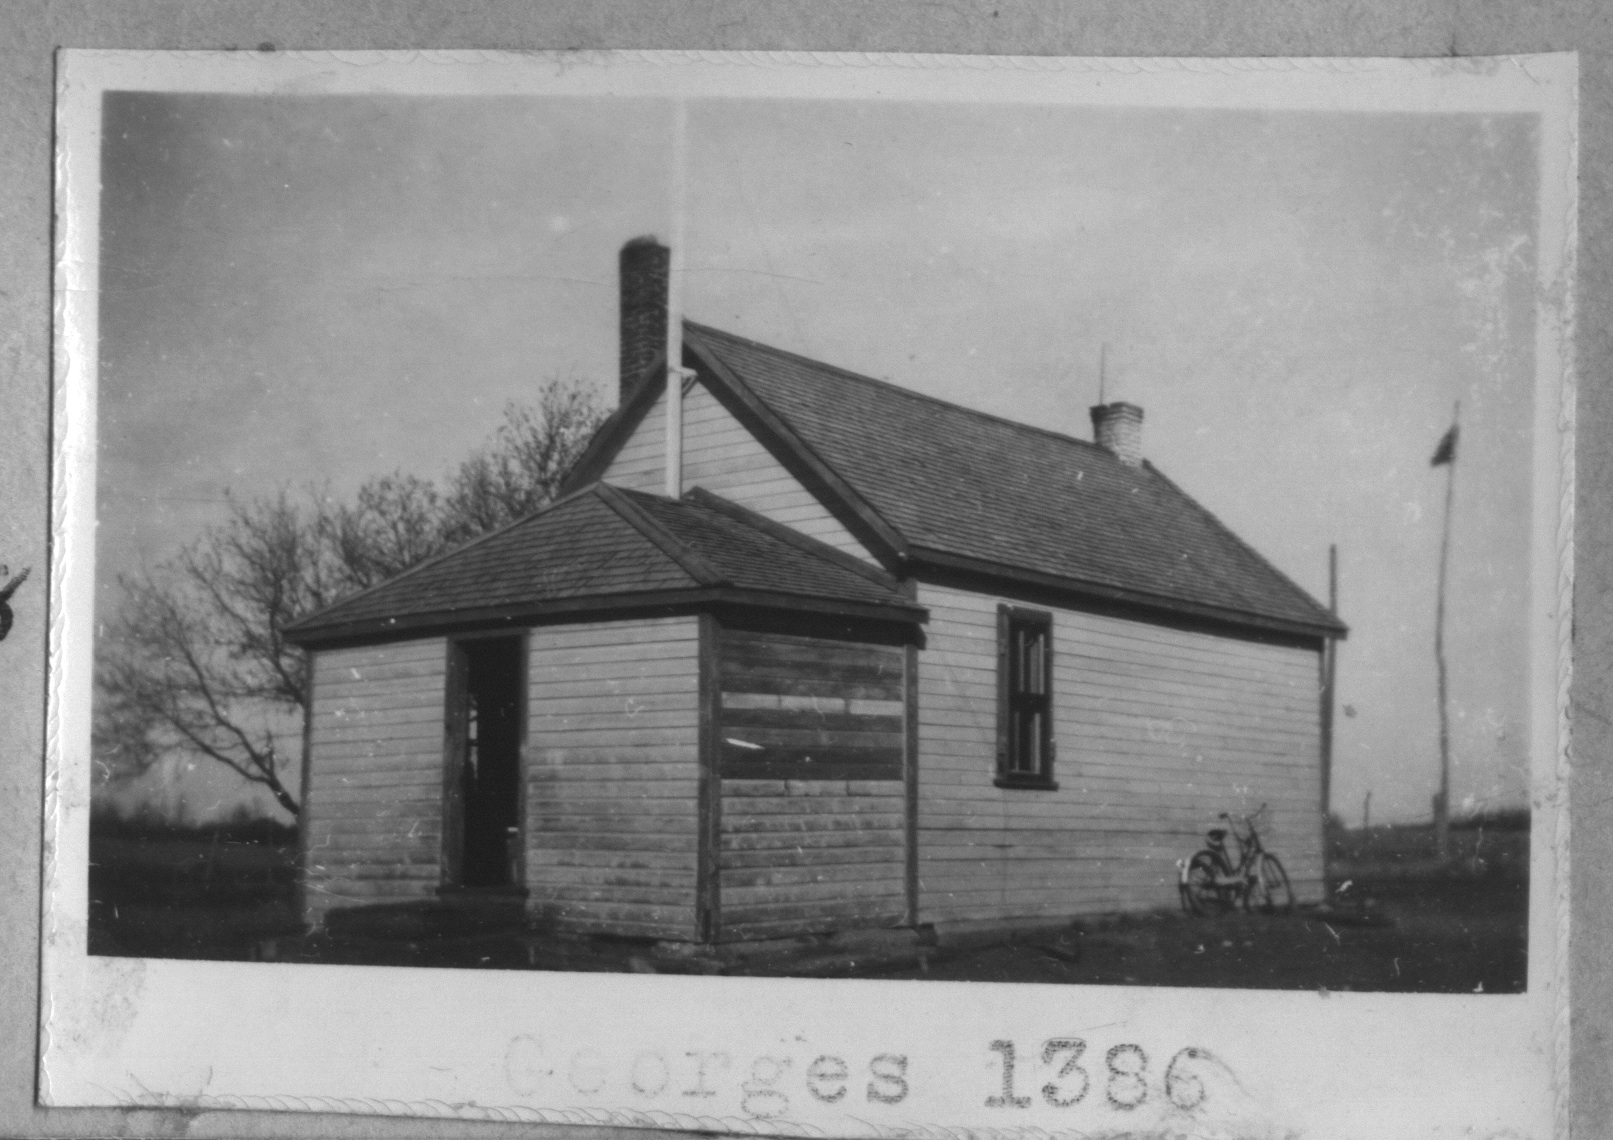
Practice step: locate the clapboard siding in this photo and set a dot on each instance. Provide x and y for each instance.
(803, 856)
(804, 708)
(801, 852)
(1157, 731)
(612, 773)
(722, 456)
(373, 809)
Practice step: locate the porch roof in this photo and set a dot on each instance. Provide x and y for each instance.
(604, 549)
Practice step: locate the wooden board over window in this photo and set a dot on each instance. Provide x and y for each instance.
(806, 708)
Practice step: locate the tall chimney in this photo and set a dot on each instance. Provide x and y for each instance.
(1118, 428)
(646, 275)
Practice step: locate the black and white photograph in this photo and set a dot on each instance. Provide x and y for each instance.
(1090, 544)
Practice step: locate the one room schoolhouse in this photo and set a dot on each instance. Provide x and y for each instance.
(800, 652)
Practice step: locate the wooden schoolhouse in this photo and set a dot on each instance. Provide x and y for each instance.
(797, 652)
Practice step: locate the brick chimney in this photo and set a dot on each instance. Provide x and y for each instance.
(1118, 428)
(646, 276)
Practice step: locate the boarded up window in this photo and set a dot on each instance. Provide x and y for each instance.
(807, 708)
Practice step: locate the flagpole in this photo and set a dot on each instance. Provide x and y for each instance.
(1442, 803)
(1329, 665)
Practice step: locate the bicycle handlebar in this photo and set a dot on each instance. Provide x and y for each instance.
(1248, 820)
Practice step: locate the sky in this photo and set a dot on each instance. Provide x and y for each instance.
(317, 289)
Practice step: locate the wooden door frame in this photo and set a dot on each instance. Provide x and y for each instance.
(456, 677)
(455, 693)
(305, 781)
(910, 780)
(708, 805)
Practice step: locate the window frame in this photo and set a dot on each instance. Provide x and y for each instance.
(1013, 701)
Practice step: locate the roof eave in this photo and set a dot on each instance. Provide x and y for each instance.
(1335, 628)
(921, 558)
(553, 611)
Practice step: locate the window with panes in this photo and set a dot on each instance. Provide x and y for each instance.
(1025, 698)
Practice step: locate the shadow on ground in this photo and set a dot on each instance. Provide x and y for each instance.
(1428, 932)
(1442, 938)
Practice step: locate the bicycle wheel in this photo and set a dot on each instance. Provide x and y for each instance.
(1200, 894)
(1270, 892)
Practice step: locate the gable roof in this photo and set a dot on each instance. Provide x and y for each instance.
(604, 549)
(925, 483)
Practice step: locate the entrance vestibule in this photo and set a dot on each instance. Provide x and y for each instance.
(487, 712)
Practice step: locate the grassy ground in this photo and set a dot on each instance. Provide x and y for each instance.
(181, 895)
(1399, 921)
(1496, 848)
(1430, 938)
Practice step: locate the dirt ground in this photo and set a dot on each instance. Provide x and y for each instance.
(1458, 938)
(188, 898)
(1458, 942)
(1424, 930)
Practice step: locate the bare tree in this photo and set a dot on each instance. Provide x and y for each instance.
(523, 466)
(393, 522)
(10, 587)
(194, 660)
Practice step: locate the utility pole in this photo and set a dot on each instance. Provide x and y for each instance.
(1444, 455)
(1329, 664)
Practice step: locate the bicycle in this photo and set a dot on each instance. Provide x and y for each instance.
(1211, 884)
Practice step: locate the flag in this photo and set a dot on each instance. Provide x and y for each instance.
(1446, 451)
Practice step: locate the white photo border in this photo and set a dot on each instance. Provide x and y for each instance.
(570, 1048)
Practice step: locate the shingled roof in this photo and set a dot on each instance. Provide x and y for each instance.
(926, 483)
(606, 549)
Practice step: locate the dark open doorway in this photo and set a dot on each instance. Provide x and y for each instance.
(487, 832)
